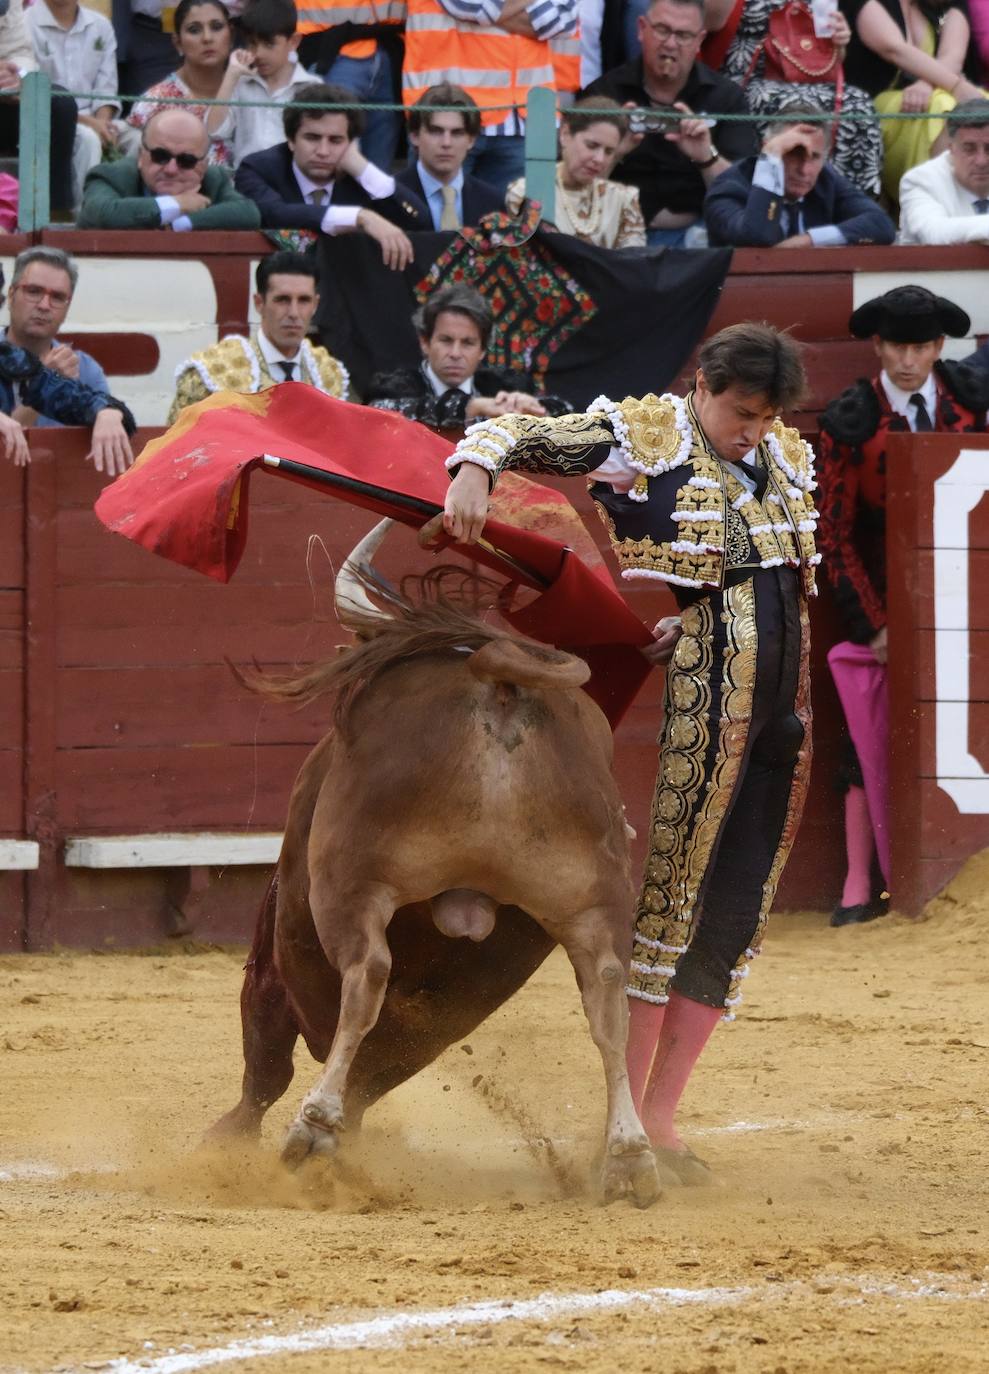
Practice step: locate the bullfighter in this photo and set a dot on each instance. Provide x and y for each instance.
(914, 391)
(710, 493)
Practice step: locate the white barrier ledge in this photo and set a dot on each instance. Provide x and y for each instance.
(22, 854)
(210, 849)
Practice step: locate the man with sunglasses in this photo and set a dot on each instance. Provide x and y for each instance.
(167, 186)
(671, 160)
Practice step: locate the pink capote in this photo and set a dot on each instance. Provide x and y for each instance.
(861, 682)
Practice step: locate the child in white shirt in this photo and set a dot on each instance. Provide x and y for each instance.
(266, 70)
(77, 48)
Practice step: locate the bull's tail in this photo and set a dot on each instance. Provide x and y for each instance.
(527, 665)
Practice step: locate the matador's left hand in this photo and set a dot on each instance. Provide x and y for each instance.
(667, 631)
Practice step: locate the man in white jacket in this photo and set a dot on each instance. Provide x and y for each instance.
(946, 200)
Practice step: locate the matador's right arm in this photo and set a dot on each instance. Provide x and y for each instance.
(559, 445)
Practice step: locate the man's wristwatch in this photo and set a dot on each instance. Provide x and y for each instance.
(708, 161)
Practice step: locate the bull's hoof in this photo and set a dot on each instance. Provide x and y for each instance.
(630, 1171)
(308, 1136)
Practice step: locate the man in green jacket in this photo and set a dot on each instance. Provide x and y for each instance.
(168, 185)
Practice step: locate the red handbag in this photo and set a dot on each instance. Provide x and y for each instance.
(793, 53)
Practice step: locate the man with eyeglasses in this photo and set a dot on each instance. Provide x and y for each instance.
(41, 292)
(670, 157)
(167, 186)
(26, 384)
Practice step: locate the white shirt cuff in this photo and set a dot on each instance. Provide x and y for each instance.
(169, 209)
(339, 217)
(768, 174)
(182, 225)
(826, 236)
(376, 183)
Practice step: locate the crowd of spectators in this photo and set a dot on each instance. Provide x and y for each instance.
(681, 133)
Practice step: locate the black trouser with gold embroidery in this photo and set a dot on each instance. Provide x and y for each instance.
(732, 894)
(725, 790)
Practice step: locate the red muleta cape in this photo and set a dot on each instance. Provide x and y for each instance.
(187, 497)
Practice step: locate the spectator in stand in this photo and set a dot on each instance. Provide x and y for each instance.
(914, 392)
(716, 13)
(791, 197)
(358, 44)
(26, 383)
(909, 59)
(588, 205)
(267, 69)
(857, 152)
(41, 291)
(16, 60)
(498, 50)
(442, 139)
(673, 161)
(167, 186)
(203, 39)
(145, 50)
(279, 351)
(946, 200)
(319, 180)
(449, 388)
(76, 47)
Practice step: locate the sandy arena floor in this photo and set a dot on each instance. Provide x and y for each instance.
(846, 1111)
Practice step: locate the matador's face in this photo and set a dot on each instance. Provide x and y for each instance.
(734, 421)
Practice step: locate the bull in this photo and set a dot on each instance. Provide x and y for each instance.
(458, 821)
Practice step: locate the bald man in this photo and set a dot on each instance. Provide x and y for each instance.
(167, 186)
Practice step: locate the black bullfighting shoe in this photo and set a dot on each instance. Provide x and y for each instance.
(685, 1168)
(858, 915)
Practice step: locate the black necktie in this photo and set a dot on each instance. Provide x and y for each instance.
(982, 207)
(790, 219)
(924, 425)
(289, 370)
(758, 475)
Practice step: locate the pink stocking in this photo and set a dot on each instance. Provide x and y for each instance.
(645, 1021)
(687, 1027)
(860, 847)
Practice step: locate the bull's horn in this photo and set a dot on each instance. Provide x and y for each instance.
(349, 593)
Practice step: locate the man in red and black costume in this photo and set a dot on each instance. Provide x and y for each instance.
(914, 391)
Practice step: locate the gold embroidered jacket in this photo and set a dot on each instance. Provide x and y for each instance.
(237, 364)
(673, 509)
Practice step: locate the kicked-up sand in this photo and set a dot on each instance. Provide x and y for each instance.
(845, 1112)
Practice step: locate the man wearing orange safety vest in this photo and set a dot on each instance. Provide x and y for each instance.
(497, 50)
(358, 44)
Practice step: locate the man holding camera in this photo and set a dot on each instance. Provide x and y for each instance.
(671, 159)
(790, 196)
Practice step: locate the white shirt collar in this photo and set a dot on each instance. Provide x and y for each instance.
(306, 186)
(47, 20)
(430, 184)
(273, 356)
(900, 400)
(467, 387)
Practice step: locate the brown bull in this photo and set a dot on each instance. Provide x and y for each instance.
(465, 791)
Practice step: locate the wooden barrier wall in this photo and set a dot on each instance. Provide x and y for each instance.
(123, 715)
(938, 554)
(118, 713)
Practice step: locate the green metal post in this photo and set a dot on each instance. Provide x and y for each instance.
(540, 149)
(33, 169)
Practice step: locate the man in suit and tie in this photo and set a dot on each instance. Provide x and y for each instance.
(319, 181)
(916, 392)
(278, 350)
(946, 200)
(790, 196)
(442, 138)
